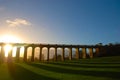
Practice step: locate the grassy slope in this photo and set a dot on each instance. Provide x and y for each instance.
(107, 68)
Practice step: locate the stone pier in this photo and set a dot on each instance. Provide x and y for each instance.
(91, 52)
(48, 53)
(2, 54)
(9, 58)
(40, 55)
(77, 53)
(83, 53)
(17, 54)
(70, 53)
(63, 55)
(32, 57)
(25, 54)
(55, 54)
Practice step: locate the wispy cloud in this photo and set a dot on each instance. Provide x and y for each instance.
(18, 22)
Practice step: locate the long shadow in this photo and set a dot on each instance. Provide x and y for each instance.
(86, 66)
(19, 73)
(79, 62)
(109, 74)
(97, 62)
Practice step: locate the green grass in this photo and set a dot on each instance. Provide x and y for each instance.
(106, 68)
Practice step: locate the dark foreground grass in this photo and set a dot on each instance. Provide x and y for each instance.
(107, 68)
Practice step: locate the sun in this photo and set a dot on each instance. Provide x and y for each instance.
(10, 39)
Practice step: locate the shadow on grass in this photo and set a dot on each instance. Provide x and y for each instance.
(19, 73)
(109, 74)
(90, 62)
(88, 65)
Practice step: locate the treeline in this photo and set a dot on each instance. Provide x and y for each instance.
(110, 50)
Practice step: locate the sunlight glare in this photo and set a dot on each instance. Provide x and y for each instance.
(9, 38)
(14, 51)
(7, 49)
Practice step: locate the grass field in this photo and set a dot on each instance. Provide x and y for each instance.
(106, 68)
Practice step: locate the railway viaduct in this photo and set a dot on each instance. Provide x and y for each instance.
(84, 49)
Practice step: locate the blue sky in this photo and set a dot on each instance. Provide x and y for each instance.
(61, 21)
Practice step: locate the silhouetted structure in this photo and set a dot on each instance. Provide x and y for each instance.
(86, 51)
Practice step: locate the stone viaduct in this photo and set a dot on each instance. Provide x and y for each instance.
(48, 46)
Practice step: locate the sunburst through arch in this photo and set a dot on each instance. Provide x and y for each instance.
(10, 39)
